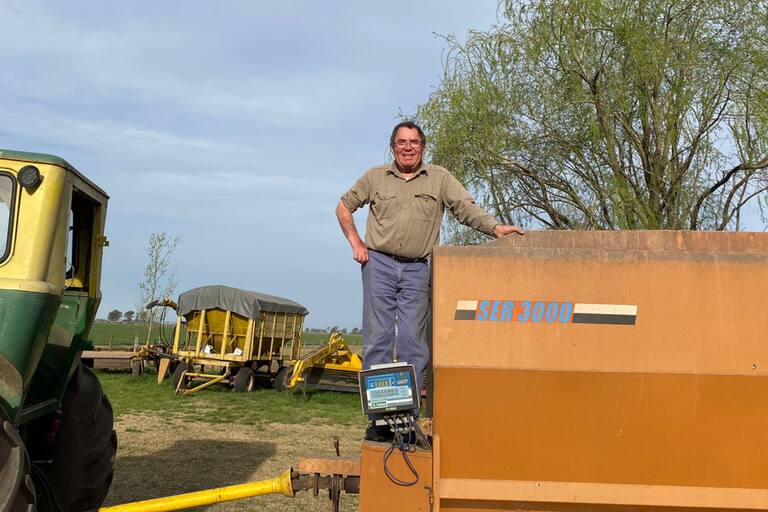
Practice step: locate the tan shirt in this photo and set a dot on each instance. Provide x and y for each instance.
(405, 215)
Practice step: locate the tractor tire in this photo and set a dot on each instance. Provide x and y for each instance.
(17, 491)
(177, 373)
(245, 380)
(282, 378)
(85, 445)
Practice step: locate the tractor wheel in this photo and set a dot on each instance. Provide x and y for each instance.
(17, 492)
(177, 373)
(245, 380)
(85, 445)
(282, 378)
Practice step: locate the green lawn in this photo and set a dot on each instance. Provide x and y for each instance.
(218, 404)
(123, 335)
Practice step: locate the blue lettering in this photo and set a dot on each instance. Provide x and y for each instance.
(538, 311)
(506, 311)
(482, 311)
(551, 314)
(566, 310)
(495, 310)
(525, 314)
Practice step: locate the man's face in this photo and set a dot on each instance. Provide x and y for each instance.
(407, 148)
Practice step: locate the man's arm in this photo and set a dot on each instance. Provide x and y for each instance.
(463, 206)
(347, 223)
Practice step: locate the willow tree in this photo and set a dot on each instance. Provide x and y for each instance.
(615, 114)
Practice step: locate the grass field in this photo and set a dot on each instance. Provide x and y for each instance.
(123, 335)
(170, 445)
(218, 404)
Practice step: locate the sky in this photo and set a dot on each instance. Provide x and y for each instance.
(234, 125)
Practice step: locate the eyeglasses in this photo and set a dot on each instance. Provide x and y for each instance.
(401, 144)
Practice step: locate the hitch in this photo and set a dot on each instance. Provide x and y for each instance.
(335, 475)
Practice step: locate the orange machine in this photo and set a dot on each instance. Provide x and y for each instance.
(585, 370)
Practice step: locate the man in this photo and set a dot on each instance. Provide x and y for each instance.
(407, 199)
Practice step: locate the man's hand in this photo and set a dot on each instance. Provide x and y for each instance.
(360, 252)
(347, 223)
(500, 230)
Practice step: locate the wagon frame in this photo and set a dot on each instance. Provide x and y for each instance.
(232, 336)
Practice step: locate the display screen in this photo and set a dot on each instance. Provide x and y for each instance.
(391, 390)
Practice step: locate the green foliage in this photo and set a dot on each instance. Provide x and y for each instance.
(218, 404)
(597, 114)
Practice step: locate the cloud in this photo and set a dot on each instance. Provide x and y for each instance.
(236, 125)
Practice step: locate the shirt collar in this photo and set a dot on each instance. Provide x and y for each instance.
(394, 170)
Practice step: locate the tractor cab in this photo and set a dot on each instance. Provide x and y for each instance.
(51, 239)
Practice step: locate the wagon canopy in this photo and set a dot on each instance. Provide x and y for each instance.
(243, 302)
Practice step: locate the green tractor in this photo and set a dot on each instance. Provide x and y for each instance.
(57, 446)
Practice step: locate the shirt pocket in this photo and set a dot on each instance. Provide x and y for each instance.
(384, 205)
(424, 206)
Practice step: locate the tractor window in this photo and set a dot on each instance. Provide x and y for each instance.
(69, 262)
(7, 189)
(79, 240)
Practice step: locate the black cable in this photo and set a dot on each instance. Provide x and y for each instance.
(163, 339)
(399, 443)
(407, 460)
(421, 438)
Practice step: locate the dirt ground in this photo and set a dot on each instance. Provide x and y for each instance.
(161, 457)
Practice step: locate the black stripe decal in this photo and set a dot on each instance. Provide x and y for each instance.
(464, 314)
(593, 318)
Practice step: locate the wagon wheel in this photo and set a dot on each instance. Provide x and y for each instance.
(282, 378)
(245, 380)
(172, 366)
(177, 374)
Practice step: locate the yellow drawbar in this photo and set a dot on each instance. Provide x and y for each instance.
(280, 484)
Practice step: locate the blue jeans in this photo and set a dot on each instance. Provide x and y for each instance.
(395, 293)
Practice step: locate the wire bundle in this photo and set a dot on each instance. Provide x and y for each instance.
(407, 437)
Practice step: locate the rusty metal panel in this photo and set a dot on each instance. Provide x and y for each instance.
(345, 466)
(379, 494)
(609, 358)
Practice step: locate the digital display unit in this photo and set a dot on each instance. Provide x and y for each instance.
(387, 389)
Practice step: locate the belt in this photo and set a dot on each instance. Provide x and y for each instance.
(402, 259)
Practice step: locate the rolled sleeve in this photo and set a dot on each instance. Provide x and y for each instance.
(463, 206)
(358, 195)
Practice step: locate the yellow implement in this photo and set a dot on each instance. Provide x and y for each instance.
(278, 485)
(331, 366)
(337, 475)
(208, 380)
